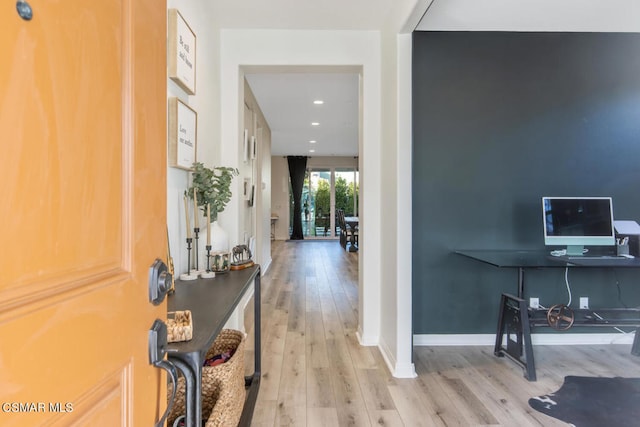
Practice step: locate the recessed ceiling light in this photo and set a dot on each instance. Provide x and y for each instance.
(318, 102)
(313, 141)
(315, 124)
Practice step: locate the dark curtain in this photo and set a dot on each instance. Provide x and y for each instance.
(297, 169)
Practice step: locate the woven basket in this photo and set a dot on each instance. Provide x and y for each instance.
(179, 326)
(223, 391)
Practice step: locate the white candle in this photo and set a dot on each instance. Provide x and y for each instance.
(186, 216)
(208, 224)
(196, 222)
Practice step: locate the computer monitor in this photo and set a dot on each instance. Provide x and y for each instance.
(577, 222)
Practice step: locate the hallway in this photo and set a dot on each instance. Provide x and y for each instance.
(314, 370)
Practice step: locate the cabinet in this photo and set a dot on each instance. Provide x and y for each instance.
(212, 301)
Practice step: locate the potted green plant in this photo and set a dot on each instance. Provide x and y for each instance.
(213, 189)
(212, 186)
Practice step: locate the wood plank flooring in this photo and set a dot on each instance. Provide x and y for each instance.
(314, 372)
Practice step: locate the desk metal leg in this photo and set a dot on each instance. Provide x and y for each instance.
(497, 348)
(513, 321)
(520, 282)
(528, 348)
(635, 348)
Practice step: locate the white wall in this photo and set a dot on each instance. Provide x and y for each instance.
(280, 196)
(332, 162)
(396, 329)
(258, 171)
(205, 103)
(264, 151)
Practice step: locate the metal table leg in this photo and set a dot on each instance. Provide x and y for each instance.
(193, 414)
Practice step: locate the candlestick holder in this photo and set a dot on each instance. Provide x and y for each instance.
(188, 275)
(208, 274)
(196, 231)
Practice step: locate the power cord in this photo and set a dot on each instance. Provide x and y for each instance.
(566, 281)
(615, 275)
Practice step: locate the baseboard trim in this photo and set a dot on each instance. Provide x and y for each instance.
(398, 370)
(536, 339)
(405, 370)
(366, 340)
(264, 266)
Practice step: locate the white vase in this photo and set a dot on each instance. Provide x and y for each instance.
(219, 242)
(219, 238)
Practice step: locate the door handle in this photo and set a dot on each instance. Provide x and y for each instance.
(157, 351)
(159, 281)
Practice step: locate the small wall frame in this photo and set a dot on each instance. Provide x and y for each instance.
(245, 146)
(246, 189)
(182, 52)
(183, 126)
(254, 148)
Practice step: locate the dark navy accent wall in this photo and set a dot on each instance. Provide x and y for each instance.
(499, 120)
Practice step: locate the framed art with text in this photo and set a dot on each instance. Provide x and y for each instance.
(183, 125)
(182, 52)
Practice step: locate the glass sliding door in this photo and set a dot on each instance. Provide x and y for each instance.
(346, 192)
(324, 191)
(318, 210)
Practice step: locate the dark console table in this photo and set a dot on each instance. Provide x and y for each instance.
(516, 318)
(212, 301)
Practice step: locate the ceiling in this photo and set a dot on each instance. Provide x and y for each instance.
(303, 14)
(287, 102)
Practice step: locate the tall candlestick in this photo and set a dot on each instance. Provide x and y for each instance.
(196, 222)
(208, 224)
(186, 216)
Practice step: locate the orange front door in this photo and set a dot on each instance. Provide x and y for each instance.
(82, 211)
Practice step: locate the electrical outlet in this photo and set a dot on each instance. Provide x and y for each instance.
(584, 302)
(534, 302)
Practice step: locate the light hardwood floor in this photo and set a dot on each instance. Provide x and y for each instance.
(314, 372)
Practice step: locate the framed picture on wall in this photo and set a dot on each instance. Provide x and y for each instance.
(254, 147)
(182, 52)
(246, 189)
(245, 146)
(253, 195)
(183, 126)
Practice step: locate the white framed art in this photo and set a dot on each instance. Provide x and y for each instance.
(183, 127)
(182, 52)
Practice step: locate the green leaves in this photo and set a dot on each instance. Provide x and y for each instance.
(213, 187)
